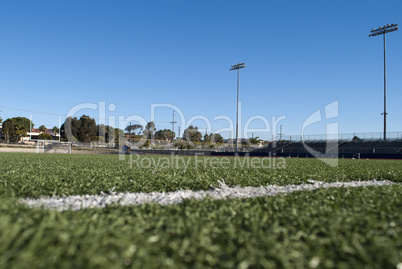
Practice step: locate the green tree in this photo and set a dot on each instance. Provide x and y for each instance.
(149, 130)
(192, 134)
(254, 140)
(146, 144)
(165, 134)
(83, 130)
(217, 138)
(100, 139)
(55, 129)
(120, 136)
(213, 138)
(69, 129)
(87, 131)
(9, 131)
(105, 133)
(131, 128)
(45, 136)
(110, 134)
(15, 128)
(42, 128)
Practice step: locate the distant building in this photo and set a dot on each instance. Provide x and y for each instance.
(233, 141)
(34, 134)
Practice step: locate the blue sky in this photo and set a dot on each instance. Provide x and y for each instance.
(300, 56)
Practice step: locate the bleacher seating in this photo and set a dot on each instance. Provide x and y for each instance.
(342, 148)
(384, 147)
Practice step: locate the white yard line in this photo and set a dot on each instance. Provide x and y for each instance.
(78, 202)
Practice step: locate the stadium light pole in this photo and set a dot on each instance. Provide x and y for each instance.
(173, 122)
(237, 67)
(382, 31)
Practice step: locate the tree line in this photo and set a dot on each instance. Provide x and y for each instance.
(85, 130)
(16, 128)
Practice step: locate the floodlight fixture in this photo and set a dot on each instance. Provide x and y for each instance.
(237, 67)
(382, 31)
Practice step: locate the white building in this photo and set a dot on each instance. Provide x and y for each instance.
(34, 134)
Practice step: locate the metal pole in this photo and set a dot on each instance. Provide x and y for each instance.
(237, 112)
(237, 67)
(30, 127)
(382, 31)
(173, 122)
(59, 129)
(385, 94)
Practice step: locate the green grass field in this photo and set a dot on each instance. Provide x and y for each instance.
(325, 228)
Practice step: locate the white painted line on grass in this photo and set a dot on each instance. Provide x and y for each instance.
(79, 202)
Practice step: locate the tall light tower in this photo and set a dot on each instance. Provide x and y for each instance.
(237, 67)
(382, 31)
(173, 122)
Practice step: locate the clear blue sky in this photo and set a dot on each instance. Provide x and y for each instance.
(300, 56)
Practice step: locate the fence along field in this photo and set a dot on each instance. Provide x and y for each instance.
(325, 228)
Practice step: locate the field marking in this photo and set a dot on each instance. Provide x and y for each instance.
(79, 202)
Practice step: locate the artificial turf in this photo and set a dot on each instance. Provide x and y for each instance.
(326, 228)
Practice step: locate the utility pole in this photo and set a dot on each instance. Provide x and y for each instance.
(30, 127)
(280, 134)
(382, 31)
(237, 67)
(59, 130)
(173, 122)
